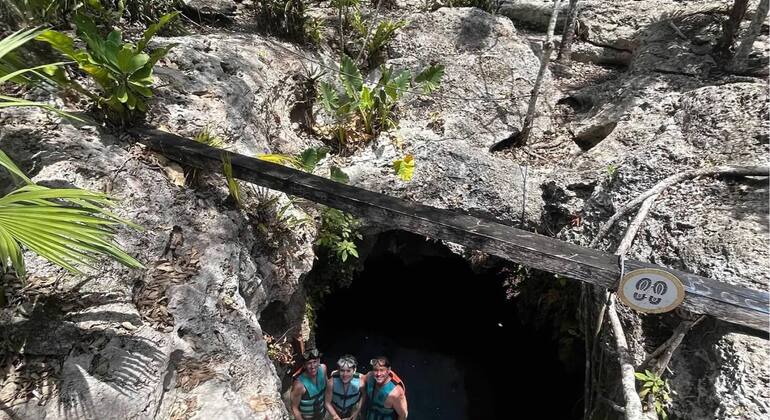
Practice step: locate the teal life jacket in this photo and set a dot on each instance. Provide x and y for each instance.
(311, 406)
(345, 400)
(375, 403)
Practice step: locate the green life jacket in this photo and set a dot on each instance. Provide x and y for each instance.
(344, 400)
(375, 403)
(311, 406)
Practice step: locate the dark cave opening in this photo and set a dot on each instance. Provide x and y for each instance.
(460, 346)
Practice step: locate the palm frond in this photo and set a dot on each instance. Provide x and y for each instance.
(47, 222)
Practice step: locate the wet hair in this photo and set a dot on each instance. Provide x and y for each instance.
(380, 361)
(347, 362)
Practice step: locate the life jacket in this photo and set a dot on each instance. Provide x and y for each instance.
(311, 406)
(343, 400)
(375, 403)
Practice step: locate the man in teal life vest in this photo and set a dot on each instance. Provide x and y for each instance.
(384, 393)
(309, 388)
(343, 390)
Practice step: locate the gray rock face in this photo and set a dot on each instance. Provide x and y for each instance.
(215, 309)
(212, 8)
(659, 118)
(482, 100)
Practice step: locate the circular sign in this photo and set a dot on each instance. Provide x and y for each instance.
(651, 290)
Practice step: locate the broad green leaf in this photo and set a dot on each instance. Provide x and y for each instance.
(396, 87)
(129, 62)
(640, 376)
(329, 98)
(430, 77)
(310, 158)
(338, 175)
(142, 90)
(404, 167)
(351, 78)
(121, 94)
(366, 102)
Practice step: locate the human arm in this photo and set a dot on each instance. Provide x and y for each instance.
(297, 389)
(398, 401)
(328, 400)
(360, 404)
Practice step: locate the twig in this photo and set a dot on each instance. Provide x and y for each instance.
(611, 404)
(674, 179)
(676, 29)
(633, 403)
(667, 348)
(609, 300)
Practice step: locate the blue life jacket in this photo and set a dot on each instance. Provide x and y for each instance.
(375, 403)
(311, 406)
(345, 400)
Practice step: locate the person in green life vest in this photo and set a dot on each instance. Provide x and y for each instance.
(309, 388)
(384, 393)
(344, 389)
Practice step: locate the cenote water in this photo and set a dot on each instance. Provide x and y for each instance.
(450, 334)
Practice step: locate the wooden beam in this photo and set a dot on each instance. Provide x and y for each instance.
(727, 302)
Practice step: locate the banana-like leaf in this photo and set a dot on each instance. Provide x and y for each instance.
(430, 77)
(351, 77)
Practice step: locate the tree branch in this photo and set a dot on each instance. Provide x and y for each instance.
(674, 179)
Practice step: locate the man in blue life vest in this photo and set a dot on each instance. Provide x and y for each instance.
(384, 393)
(309, 388)
(343, 390)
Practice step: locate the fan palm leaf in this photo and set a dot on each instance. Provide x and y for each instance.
(50, 223)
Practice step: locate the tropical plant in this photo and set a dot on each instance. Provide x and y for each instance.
(122, 70)
(12, 71)
(17, 13)
(307, 161)
(232, 185)
(314, 29)
(68, 227)
(338, 232)
(373, 41)
(384, 32)
(655, 391)
(373, 106)
(404, 167)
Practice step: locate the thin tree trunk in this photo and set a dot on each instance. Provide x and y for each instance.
(743, 51)
(568, 34)
(730, 27)
(544, 59)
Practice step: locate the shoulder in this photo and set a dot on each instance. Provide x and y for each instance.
(397, 392)
(297, 386)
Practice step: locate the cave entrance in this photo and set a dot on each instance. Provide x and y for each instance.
(461, 347)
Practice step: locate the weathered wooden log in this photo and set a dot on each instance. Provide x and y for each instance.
(734, 304)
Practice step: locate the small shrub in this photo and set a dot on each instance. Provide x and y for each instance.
(122, 71)
(372, 106)
(655, 392)
(338, 232)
